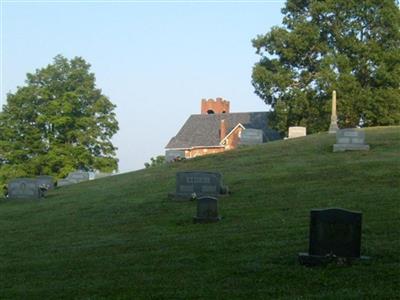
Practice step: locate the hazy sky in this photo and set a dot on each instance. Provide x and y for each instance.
(154, 60)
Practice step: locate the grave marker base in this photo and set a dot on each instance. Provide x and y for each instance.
(350, 147)
(333, 128)
(197, 220)
(179, 197)
(41, 195)
(64, 182)
(184, 197)
(309, 260)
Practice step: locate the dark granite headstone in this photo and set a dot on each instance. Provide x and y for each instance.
(334, 233)
(47, 181)
(207, 210)
(101, 175)
(78, 176)
(350, 139)
(64, 182)
(24, 188)
(251, 136)
(74, 177)
(199, 183)
(172, 155)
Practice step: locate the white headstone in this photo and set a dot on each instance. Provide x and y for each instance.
(297, 131)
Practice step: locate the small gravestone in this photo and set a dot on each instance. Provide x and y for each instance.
(64, 182)
(207, 210)
(101, 175)
(335, 235)
(78, 176)
(297, 131)
(198, 184)
(74, 177)
(46, 181)
(350, 139)
(251, 136)
(173, 155)
(24, 188)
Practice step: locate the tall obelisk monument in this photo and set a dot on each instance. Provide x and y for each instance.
(333, 127)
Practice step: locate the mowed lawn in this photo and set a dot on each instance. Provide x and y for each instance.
(122, 238)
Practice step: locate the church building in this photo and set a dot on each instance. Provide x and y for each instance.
(216, 129)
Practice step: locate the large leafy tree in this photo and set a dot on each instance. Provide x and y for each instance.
(155, 161)
(59, 121)
(350, 46)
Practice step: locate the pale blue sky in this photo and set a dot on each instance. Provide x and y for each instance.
(155, 61)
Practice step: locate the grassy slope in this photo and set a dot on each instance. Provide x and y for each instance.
(121, 238)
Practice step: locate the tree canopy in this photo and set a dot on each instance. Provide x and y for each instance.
(350, 46)
(155, 161)
(57, 122)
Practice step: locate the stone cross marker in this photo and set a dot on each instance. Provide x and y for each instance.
(45, 180)
(251, 136)
(207, 210)
(350, 139)
(24, 188)
(333, 127)
(297, 131)
(199, 183)
(334, 233)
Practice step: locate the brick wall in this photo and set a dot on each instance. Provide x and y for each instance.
(232, 141)
(218, 106)
(202, 151)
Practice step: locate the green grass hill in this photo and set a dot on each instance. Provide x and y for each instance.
(122, 238)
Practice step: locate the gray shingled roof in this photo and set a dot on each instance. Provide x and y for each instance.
(203, 130)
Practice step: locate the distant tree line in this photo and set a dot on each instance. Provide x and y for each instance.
(60, 121)
(155, 161)
(350, 46)
(57, 122)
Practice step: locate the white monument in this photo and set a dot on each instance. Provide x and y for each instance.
(333, 128)
(297, 131)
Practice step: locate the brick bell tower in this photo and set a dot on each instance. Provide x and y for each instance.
(217, 106)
